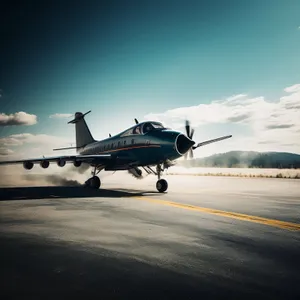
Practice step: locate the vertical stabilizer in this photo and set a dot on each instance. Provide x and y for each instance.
(83, 134)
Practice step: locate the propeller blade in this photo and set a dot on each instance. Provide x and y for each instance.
(136, 121)
(191, 153)
(192, 133)
(187, 128)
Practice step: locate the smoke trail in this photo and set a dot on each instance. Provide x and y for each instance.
(59, 180)
(52, 179)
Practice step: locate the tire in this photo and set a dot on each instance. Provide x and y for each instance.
(95, 182)
(162, 185)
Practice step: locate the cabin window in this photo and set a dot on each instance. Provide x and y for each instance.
(132, 141)
(119, 144)
(112, 145)
(124, 142)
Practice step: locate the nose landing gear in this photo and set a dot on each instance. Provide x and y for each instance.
(161, 184)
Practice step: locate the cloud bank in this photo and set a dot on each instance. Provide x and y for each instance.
(18, 118)
(28, 138)
(259, 124)
(26, 145)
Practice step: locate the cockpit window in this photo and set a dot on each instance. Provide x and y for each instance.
(134, 130)
(137, 130)
(149, 126)
(143, 128)
(157, 125)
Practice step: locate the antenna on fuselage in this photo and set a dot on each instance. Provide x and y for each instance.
(109, 135)
(136, 121)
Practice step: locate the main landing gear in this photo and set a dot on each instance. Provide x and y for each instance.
(93, 182)
(161, 184)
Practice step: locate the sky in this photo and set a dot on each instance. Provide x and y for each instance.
(231, 67)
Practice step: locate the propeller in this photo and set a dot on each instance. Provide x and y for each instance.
(190, 133)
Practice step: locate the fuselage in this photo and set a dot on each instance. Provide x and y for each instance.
(147, 143)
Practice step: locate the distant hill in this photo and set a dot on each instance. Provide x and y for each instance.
(246, 159)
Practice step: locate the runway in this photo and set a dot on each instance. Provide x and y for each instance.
(215, 237)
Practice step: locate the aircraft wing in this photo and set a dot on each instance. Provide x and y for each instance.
(97, 159)
(212, 141)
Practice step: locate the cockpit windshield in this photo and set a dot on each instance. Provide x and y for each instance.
(143, 128)
(157, 125)
(149, 126)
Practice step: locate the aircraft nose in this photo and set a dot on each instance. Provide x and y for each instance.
(183, 144)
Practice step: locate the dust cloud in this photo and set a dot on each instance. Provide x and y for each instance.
(53, 176)
(16, 175)
(53, 179)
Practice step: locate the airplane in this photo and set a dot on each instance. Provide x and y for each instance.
(142, 146)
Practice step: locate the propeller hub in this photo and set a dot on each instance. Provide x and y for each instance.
(183, 144)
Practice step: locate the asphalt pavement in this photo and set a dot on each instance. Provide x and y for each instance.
(215, 237)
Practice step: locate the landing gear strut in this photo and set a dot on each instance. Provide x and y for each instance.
(161, 184)
(94, 182)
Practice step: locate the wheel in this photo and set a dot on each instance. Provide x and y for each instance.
(162, 185)
(93, 182)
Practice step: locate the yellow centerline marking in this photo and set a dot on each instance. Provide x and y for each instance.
(228, 214)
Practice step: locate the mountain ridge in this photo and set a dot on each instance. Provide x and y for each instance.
(246, 159)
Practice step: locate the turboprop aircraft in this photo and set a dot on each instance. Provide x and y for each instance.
(141, 146)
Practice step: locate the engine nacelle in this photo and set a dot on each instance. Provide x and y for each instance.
(77, 163)
(61, 163)
(28, 165)
(44, 164)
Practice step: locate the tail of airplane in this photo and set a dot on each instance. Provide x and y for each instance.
(83, 134)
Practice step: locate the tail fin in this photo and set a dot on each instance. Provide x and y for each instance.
(83, 134)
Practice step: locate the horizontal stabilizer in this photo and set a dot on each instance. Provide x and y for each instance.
(78, 116)
(212, 141)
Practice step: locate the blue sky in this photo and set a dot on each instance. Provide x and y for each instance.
(127, 59)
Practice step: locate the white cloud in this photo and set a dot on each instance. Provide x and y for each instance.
(292, 89)
(5, 151)
(28, 138)
(28, 145)
(60, 116)
(18, 118)
(256, 120)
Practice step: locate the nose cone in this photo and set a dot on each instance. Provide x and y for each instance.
(183, 144)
